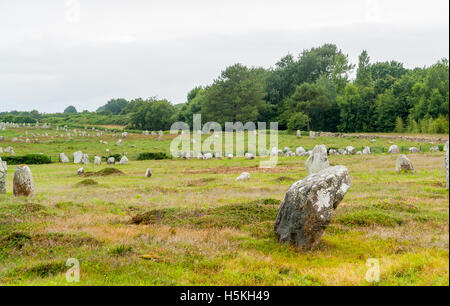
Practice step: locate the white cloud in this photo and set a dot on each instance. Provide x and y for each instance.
(144, 48)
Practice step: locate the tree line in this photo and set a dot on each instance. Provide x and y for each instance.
(313, 91)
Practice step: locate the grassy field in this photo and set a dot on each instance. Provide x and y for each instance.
(191, 223)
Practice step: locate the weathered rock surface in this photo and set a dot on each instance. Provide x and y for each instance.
(403, 164)
(414, 150)
(249, 156)
(77, 156)
(85, 159)
(63, 158)
(300, 151)
(394, 149)
(318, 160)
(23, 184)
(245, 176)
(97, 160)
(123, 161)
(308, 206)
(3, 176)
(350, 150)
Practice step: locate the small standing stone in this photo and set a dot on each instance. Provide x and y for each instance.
(350, 150)
(299, 134)
(85, 159)
(403, 164)
(394, 149)
(80, 171)
(318, 160)
(97, 160)
(23, 184)
(3, 176)
(148, 173)
(77, 156)
(123, 161)
(63, 158)
(245, 176)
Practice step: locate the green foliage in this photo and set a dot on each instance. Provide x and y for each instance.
(153, 156)
(297, 121)
(70, 110)
(114, 106)
(29, 159)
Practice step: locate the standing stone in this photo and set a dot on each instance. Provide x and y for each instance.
(3, 176)
(111, 161)
(300, 151)
(299, 134)
(394, 149)
(350, 150)
(80, 171)
(245, 176)
(366, 151)
(148, 173)
(308, 207)
(249, 156)
(318, 160)
(63, 158)
(123, 161)
(23, 184)
(403, 164)
(119, 142)
(77, 156)
(208, 156)
(85, 159)
(230, 156)
(312, 135)
(414, 150)
(97, 160)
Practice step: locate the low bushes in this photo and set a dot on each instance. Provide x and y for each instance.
(153, 156)
(30, 159)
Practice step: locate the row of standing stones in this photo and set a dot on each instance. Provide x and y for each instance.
(308, 205)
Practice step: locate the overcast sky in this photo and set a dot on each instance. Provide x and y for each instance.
(55, 53)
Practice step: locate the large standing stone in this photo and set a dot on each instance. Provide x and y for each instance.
(308, 206)
(3, 176)
(403, 164)
(77, 156)
(394, 149)
(63, 158)
(318, 160)
(23, 184)
(312, 135)
(123, 161)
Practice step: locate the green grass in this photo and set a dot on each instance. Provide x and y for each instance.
(191, 223)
